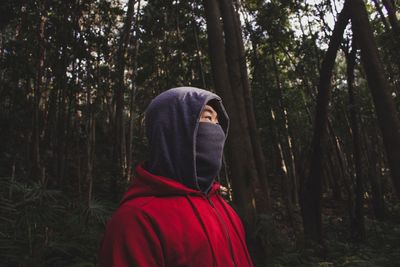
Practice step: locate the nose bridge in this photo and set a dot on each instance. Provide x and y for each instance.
(214, 114)
(215, 117)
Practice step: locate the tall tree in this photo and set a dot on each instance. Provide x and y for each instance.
(119, 92)
(357, 213)
(312, 187)
(380, 89)
(37, 90)
(238, 155)
(240, 86)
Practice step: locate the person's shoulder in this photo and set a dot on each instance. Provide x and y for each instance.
(131, 209)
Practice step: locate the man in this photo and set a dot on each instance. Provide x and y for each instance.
(173, 214)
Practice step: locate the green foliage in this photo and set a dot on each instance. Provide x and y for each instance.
(45, 227)
(380, 249)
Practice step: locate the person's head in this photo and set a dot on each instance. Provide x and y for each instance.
(186, 128)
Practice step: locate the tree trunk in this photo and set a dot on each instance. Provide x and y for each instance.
(198, 53)
(120, 142)
(287, 140)
(312, 187)
(134, 57)
(340, 170)
(374, 175)
(380, 89)
(62, 118)
(90, 146)
(238, 156)
(245, 159)
(281, 170)
(36, 170)
(240, 86)
(358, 225)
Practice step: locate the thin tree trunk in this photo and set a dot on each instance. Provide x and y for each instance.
(198, 54)
(358, 225)
(371, 148)
(282, 159)
(374, 175)
(63, 108)
(129, 150)
(333, 174)
(312, 187)
(120, 142)
(336, 164)
(288, 150)
(380, 89)
(90, 146)
(282, 170)
(36, 169)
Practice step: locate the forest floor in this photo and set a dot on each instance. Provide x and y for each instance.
(380, 248)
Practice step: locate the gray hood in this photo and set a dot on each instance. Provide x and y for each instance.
(172, 121)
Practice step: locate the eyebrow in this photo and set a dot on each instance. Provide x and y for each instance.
(210, 109)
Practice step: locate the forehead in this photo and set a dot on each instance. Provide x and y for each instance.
(208, 108)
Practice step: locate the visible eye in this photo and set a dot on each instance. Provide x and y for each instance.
(209, 115)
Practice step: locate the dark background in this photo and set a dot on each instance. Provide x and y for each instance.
(313, 157)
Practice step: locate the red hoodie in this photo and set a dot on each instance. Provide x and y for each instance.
(161, 222)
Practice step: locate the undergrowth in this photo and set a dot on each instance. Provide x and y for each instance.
(44, 227)
(287, 247)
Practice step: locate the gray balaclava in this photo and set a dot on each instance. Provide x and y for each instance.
(181, 147)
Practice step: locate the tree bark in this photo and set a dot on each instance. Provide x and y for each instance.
(198, 53)
(374, 175)
(133, 93)
(341, 169)
(62, 105)
(379, 87)
(36, 170)
(358, 225)
(240, 86)
(90, 146)
(312, 187)
(287, 140)
(238, 156)
(120, 140)
(281, 170)
(246, 164)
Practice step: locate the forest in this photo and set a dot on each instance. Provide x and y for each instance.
(312, 161)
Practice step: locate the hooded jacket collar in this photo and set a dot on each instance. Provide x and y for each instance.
(147, 184)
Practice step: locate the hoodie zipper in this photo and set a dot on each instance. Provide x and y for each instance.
(225, 228)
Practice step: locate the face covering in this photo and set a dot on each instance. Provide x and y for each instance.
(209, 148)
